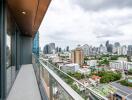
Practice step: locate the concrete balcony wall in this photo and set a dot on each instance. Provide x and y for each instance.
(26, 50)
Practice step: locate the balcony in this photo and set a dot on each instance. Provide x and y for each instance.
(43, 81)
(37, 82)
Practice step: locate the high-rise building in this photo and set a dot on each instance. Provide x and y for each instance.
(122, 50)
(95, 51)
(46, 49)
(49, 48)
(102, 49)
(60, 50)
(77, 56)
(116, 47)
(110, 48)
(90, 50)
(52, 46)
(67, 48)
(117, 44)
(86, 50)
(129, 51)
(57, 49)
(107, 43)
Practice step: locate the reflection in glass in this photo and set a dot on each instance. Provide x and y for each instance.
(8, 61)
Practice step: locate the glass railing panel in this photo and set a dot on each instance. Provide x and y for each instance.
(58, 93)
(53, 85)
(85, 92)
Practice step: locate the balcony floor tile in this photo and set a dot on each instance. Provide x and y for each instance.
(25, 86)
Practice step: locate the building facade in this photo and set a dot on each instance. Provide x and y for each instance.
(70, 67)
(77, 56)
(129, 51)
(121, 65)
(86, 50)
(49, 48)
(122, 50)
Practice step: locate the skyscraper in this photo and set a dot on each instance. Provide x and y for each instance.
(60, 49)
(102, 49)
(52, 46)
(107, 43)
(86, 49)
(46, 49)
(77, 56)
(57, 49)
(129, 51)
(117, 44)
(109, 47)
(116, 48)
(67, 48)
(49, 48)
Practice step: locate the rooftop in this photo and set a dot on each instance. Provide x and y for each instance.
(122, 90)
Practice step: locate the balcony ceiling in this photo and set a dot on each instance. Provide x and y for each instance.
(28, 14)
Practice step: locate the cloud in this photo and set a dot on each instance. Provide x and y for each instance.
(66, 23)
(108, 33)
(103, 4)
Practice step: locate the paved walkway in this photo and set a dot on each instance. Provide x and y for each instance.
(25, 86)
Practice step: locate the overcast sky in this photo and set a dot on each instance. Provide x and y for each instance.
(73, 22)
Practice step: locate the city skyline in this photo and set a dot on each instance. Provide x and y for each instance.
(96, 46)
(71, 22)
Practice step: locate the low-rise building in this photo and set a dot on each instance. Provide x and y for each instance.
(92, 63)
(122, 92)
(95, 80)
(84, 71)
(121, 65)
(73, 67)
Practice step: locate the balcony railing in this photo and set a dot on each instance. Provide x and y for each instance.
(52, 87)
(53, 78)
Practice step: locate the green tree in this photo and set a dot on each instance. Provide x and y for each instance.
(128, 59)
(130, 71)
(115, 57)
(104, 62)
(109, 76)
(86, 58)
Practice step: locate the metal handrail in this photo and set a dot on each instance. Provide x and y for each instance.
(65, 86)
(90, 90)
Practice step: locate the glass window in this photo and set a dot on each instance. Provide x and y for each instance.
(8, 53)
(12, 51)
(0, 64)
(1, 15)
(8, 60)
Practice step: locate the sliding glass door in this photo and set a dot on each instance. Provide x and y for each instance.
(2, 49)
